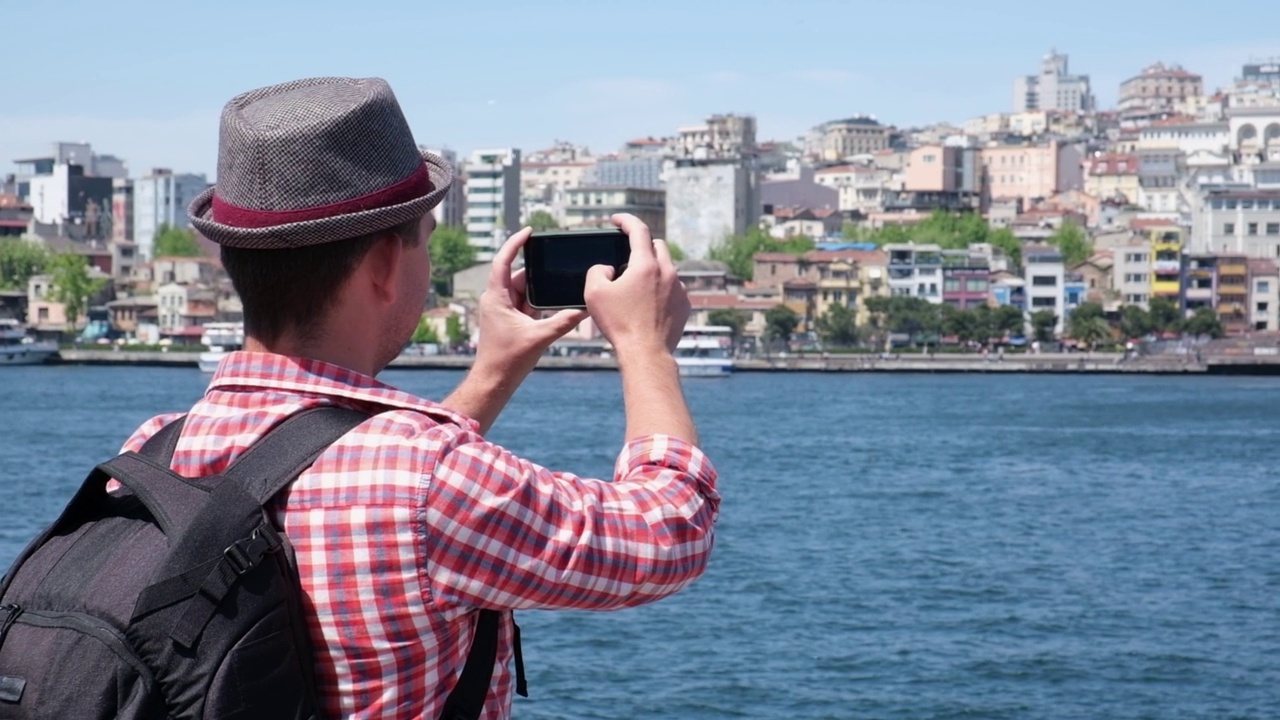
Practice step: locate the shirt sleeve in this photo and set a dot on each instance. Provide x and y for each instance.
(501, 532)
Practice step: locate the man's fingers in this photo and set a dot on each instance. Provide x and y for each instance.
(638, 233)
(567, 320)
(661, 251)
(500, 275)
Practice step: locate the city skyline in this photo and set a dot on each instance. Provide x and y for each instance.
(571, 70)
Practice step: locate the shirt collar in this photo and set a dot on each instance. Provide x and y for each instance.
(244, 370)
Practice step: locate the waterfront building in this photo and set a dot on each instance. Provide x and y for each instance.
(1264, 294)
(1220, 283)
(493, 198)
(1045, 278)
(915, 270)
(1166, 263)
(966, 279)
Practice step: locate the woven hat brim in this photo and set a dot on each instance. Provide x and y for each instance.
(323, 230)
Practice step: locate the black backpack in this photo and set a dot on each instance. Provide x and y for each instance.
(173, 599)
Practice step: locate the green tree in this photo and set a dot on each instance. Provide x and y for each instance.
(1204, 322)
(19, 260)
(780, 323)
(451, 252)
(1092, 330)
(1165, 316)
(453, 328)
(542, 221)
(1009, 243)
(1073, 243)
(425, 334)
(72, 285)
(677, 253)
(838, 326)
(1009, 320)
(1042, 325)
(175, 242)
(1088, 310)
(917, 318)
(739, 251)
(730, 318)
(1135, 322)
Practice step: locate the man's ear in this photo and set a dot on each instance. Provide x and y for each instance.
(380, 267)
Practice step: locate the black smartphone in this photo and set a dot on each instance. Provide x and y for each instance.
(556, 264)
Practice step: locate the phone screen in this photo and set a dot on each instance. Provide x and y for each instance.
(556, 264)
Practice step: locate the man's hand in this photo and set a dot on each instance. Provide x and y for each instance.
(646, 308)
(512, 338)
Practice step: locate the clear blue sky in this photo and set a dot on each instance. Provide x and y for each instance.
(146, 80)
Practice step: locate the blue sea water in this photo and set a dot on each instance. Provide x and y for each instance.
(890, 546)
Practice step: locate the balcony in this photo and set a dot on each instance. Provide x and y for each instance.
(1167, 267)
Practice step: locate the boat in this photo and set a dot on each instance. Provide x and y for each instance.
(220, 338)
(705, 351)
(16, 348)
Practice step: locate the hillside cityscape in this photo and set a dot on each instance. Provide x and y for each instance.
(1050, 220)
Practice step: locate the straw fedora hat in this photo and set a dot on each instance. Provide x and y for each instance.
(315, 161)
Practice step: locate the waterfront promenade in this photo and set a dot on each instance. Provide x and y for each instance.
(1106, 363)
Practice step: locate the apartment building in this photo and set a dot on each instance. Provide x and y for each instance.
(1243, 222)
(493, 198)
(1054, 88)
(1030, 172)
(592, 206)
(1045, 278)
(1132, 272)
(915, 271)
(1264, 294)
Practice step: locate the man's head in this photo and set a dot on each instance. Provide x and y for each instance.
(314, 176)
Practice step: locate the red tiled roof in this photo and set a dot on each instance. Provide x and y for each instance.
(1263, 266)
(718, 301)
(775, 257)
(861, 257)
(1150, 223)
(835, 169)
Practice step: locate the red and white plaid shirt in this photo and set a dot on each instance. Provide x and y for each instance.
(413, 520)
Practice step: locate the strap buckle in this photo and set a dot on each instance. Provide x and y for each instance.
(245, 554)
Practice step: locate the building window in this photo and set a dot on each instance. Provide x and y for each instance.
(1044, 281)
(1253, 228)
(1044, 302)
(1264, 286)
(1273, 228)
(1228, 228)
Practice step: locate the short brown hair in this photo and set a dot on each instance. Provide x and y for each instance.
(293, 289)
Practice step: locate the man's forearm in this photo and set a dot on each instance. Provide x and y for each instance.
(655, 403)
(483, 394)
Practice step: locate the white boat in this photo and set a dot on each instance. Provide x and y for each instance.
(18, 349)
(220, 338)
(705, 351)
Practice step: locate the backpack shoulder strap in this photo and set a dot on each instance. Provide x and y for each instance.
(289, 448)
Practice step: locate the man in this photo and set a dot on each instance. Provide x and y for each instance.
(412, 522)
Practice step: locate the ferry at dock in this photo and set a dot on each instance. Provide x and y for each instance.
(220, 338)
(705, 351)
(16, 348)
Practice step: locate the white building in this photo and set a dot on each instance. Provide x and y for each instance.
(493, 198)
(915, 271)
(1053, 89)
(1132, 273)
(1045, 276)
(452, 210)
(710, 200)
(162, 198)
